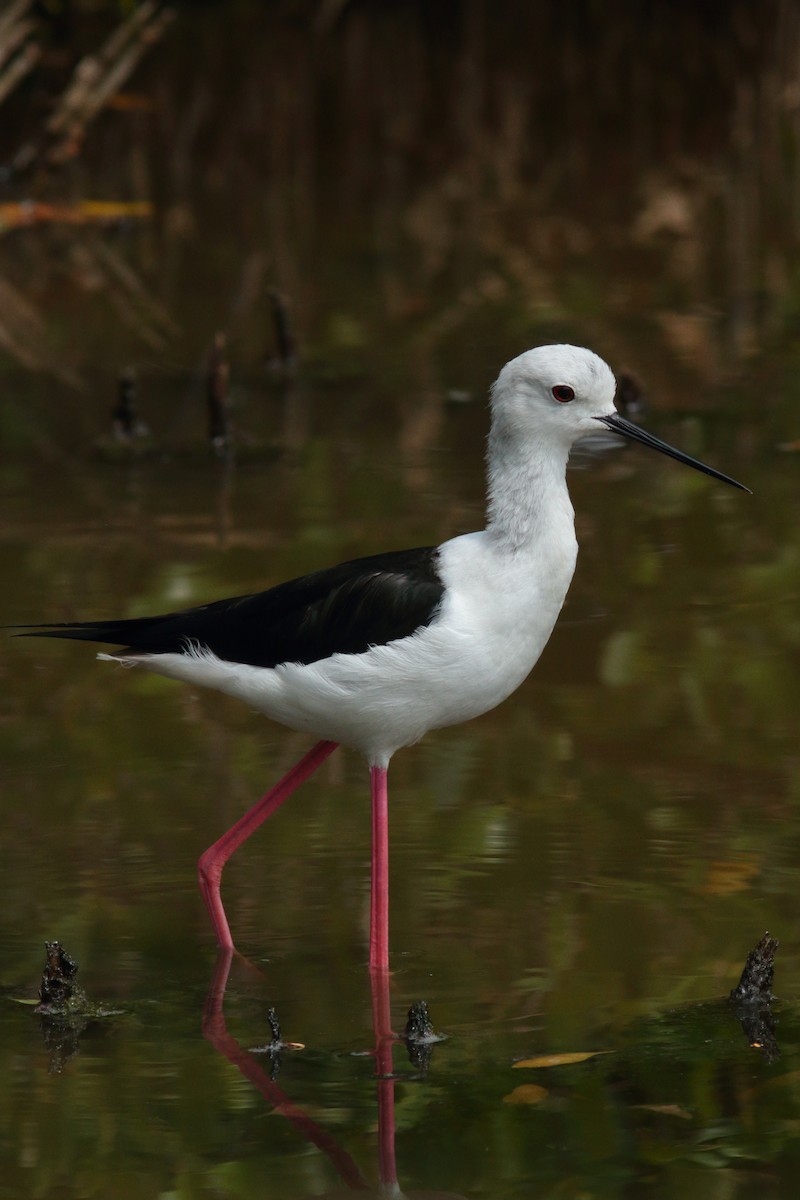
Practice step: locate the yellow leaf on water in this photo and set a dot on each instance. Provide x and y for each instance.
(668, 1110)
(558, 1060)
(526, 1093)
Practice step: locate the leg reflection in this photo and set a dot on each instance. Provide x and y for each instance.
(216, 1032)
(384, 1069)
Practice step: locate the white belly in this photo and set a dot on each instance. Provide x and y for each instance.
(493, 624)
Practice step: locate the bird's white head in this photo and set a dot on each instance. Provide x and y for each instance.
(544, 400)
(552, 393)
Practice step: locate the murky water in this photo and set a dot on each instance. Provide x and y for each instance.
(583, 870)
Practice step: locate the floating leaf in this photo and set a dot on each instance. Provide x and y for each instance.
(668, 1110)
(526, 1093)
(558, 1060)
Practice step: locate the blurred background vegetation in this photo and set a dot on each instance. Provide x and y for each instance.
(415, 178)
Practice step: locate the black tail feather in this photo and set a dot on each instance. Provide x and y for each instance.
(116, 633)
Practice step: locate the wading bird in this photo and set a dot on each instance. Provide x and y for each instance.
(373, 653)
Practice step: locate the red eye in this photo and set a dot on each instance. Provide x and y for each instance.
(563, 393)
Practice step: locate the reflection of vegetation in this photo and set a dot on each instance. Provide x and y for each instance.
(609, 838)
(679, 1095)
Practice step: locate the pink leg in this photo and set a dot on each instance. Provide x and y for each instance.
(209, 868)
(379, 895)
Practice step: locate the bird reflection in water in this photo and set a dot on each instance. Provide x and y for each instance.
(215, 1030)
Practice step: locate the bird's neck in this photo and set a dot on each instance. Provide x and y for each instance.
(528, 498)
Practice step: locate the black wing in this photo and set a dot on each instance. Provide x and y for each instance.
(345, 609)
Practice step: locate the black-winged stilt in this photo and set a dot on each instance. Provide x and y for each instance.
(373, 653)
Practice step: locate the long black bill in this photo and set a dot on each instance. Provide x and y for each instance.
(618, 424)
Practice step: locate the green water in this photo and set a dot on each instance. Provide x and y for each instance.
(586, 868)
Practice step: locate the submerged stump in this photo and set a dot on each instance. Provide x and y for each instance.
(752, 998)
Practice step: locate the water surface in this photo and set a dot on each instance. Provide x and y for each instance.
(582, 870)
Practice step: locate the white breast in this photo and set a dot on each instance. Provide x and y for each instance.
(496, 616)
